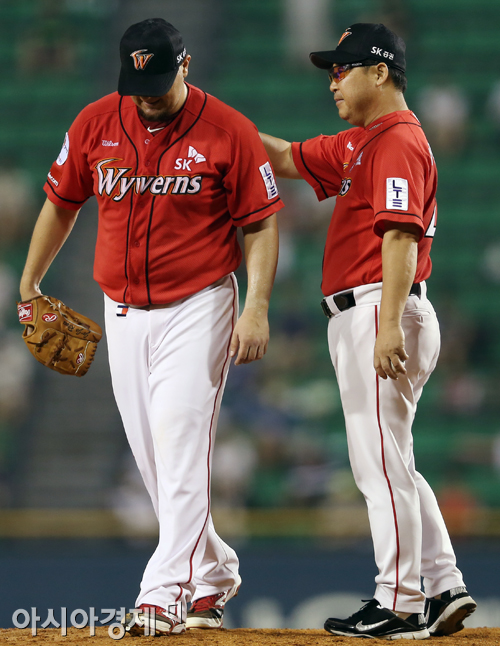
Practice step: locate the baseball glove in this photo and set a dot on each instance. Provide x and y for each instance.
(57, 336)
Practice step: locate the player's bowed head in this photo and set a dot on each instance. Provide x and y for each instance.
(154, 64)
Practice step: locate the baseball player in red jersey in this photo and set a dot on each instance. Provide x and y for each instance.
(383, 333)
(175, 173)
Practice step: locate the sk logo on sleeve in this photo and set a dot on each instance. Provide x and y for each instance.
(396, 194)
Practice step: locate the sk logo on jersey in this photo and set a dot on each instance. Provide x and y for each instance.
(193, 156)
(141, 59)
(198, 157)
(115, 182)
(358, 161)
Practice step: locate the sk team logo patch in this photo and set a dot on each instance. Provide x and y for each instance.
(358, 161)
(396, 194)
(267, 175)
(194, 157)
(194, 154)
(141, 59)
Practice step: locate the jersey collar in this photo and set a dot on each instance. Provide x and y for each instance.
(403, 115)
(176, 129)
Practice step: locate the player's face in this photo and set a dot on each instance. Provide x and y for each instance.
(355, 93)
(161, 108)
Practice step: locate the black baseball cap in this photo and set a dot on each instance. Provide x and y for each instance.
(151, 52)
(364, 41)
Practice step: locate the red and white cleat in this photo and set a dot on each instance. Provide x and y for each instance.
(208, 612)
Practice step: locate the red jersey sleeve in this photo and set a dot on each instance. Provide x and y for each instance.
(319, 161)
(69, 182)
(251, 190)
(400, 171)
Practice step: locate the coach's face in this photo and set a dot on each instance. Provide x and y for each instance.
(161, 108)
(357, 95)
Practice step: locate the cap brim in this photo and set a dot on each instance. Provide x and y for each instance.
(140, 84)
(324, 60)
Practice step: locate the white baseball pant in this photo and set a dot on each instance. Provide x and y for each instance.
(409, 535)
(168, 368)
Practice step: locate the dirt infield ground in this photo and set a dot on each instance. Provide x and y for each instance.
(237, 637)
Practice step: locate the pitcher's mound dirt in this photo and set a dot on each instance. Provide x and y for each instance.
(237, 637)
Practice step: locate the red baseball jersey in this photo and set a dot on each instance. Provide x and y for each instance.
(380, 174)
(169, 202)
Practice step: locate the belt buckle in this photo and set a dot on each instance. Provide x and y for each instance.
(345, 301)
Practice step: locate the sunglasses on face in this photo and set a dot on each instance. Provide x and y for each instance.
(338, 72)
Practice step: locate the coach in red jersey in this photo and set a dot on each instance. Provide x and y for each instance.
(175, 173)
(381, 324)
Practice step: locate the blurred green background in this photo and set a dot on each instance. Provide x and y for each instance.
(280, 466)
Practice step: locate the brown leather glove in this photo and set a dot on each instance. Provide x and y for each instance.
(57, 336)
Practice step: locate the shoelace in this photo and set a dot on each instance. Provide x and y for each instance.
(206, 603)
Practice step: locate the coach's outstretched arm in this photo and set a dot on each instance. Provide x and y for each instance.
(251, 332)
(280, 154)
(53, 226)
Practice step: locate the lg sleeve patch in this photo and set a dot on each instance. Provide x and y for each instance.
(267, 175)
(396, 194)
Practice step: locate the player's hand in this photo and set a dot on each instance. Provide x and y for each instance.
(250, 336)
(390, 353)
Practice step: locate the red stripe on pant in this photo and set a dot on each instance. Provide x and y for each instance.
(386, 476)
(210, 442)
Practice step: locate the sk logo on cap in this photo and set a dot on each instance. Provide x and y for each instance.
(140, 59)
(344, 35)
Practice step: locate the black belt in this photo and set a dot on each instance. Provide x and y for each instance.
(346, 300)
